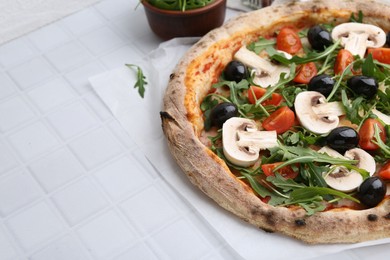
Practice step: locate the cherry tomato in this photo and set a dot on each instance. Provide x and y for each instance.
(380, 54)
(384, 172)
(366, 134)
(305, 73)
(343, 59)
(288, 40)
(281, 120)
(258, 92)
(287, 171)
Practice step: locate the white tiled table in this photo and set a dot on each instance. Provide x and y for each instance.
(73, 184)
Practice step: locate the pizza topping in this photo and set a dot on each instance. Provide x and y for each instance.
(242, 141)
(265, 72)
(363, 86)
(235, 71)
(321, 83)
(315, 113)
(383, 117)
(342, 139)
(346, 180)
(288, 41)
(372, 191)
(357, 37)
(319, 38)
(222, 112)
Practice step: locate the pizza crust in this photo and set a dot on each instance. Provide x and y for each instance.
(182, 124)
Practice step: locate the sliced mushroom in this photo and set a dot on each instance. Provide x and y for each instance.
(242, 141)
(346, 180)
(315, 113)
(265, 72)
(383, 117)
(357, 37)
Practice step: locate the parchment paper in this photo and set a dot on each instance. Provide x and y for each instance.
(140, 118)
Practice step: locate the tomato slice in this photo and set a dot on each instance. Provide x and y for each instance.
(366, 134)
(288, 40)
(343, 59)
(281, 120)
(305, 73)
(254, 93)
(384, 172)
(380, 54)
(287, 171)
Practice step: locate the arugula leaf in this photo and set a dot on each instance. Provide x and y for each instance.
(383, 103)
(358, 19)
(312, 56)
(141, 79)
(385, 149)
(261, 44)
(206, 106)
(352, 108)
(310, 192)
(285, 184)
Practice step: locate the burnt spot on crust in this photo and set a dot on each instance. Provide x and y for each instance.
(269, 216)
(387, 216)
(172, 76)
(267, 230)
(300, 222)
(372, 217)
(166, 115)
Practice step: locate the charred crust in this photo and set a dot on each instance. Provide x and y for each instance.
(267, 230)
(300, 222)
(172, 76)
(387, 216)
(372, 217)
(166, 115)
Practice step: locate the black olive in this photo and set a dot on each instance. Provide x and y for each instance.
(319, 38)
(372, 191)
(321, 83)
(235, 71)
(222, 112)
(388, 39)
(342, 139)
(363, 86)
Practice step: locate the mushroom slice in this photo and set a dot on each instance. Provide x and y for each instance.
(346, 180)
(329, 151)
(242, 141)
(265, 72)
(357, 37)
(365, 160)
(385, 118)
(315, 113)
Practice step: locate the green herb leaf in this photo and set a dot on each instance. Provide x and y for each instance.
(141, 79)
(261, 44)
(311, 192)
(358, 19)
(312, 56)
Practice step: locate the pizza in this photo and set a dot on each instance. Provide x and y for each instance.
(282, 117)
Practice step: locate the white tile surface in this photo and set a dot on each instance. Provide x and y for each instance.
(68, 56)
(78, 77)
(33, 140)
(15, 52)
(35, 225)
(7, 159)
(79, 201)
(66, 248)
(57, 169)
(106, 235)
(8, 87)
(106, 38)
(49, 37)
(32, 72)
(72, 119)
(122, 177)
(95, 148)
(13, 112)
(84, 21)
(7, 251)
(139, 251)
(17, 190)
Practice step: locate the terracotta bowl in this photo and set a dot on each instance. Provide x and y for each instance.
(196, 22)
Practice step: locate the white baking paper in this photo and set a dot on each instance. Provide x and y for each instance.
(140, 118)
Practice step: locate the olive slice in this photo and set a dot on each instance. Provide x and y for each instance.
(321, 83)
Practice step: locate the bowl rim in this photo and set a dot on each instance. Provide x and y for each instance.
(195, 11)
